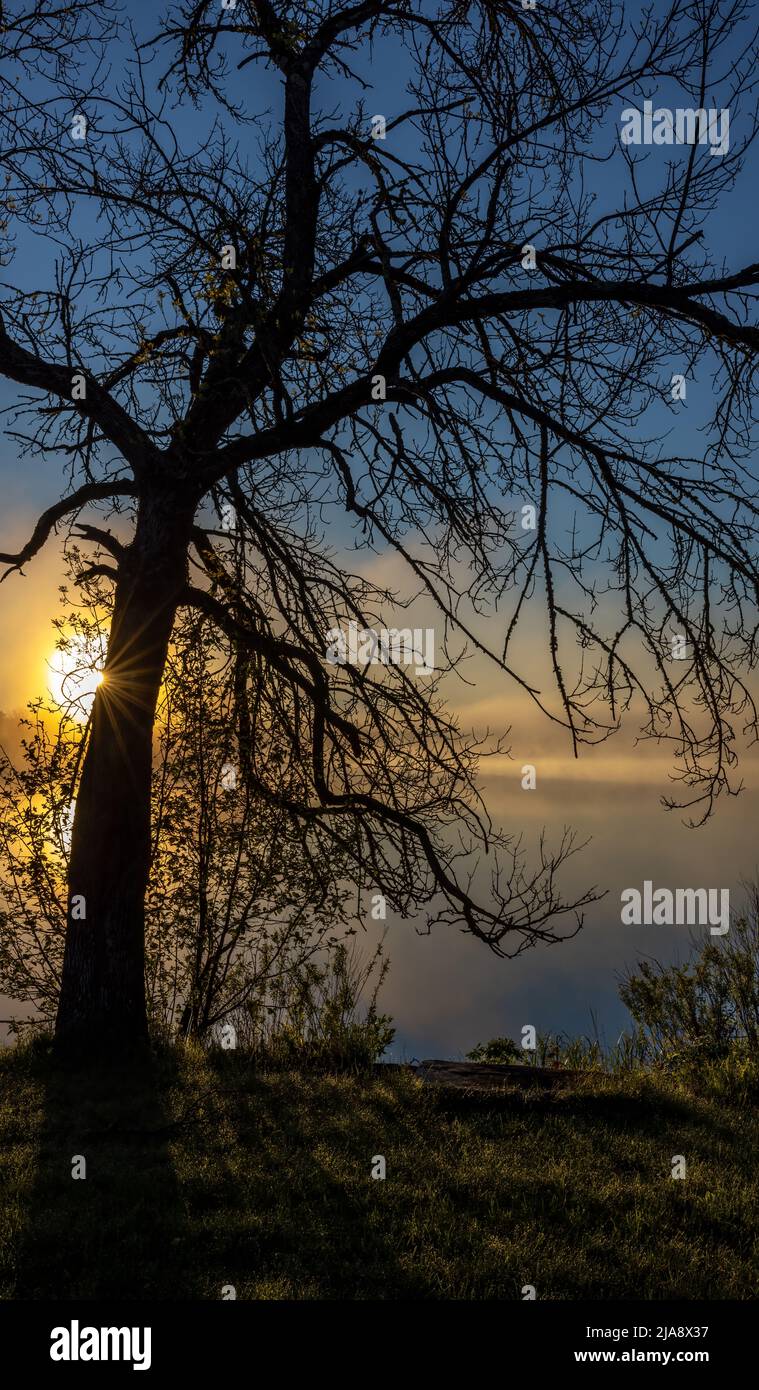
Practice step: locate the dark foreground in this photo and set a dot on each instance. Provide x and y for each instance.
(203, 1176)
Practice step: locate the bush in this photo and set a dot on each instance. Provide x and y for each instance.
(317, 1015)
(707, 1010)
(498, 1050)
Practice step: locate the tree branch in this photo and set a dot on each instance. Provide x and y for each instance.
(91, 492)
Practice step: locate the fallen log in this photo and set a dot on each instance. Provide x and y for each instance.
(488, 1076)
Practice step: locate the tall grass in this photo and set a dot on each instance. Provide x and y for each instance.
(323, 1015)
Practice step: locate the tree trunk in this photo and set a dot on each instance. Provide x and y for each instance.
(102, 1001)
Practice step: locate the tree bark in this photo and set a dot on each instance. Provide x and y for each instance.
(102, 1003)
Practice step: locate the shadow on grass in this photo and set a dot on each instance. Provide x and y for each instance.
(203, 1173)
(113, 1232)
(645, 1111)
(278, 1180)
(200, 1174)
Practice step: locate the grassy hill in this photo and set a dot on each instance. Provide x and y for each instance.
(202, 1173)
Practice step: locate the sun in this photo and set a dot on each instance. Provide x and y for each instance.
(74, 675)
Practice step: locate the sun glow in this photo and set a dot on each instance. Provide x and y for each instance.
(74, 674)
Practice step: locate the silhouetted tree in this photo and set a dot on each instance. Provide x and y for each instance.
(331, 310)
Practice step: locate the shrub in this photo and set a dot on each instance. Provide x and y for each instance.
(706, 1010)
(498, 1050)
(319, 1015)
